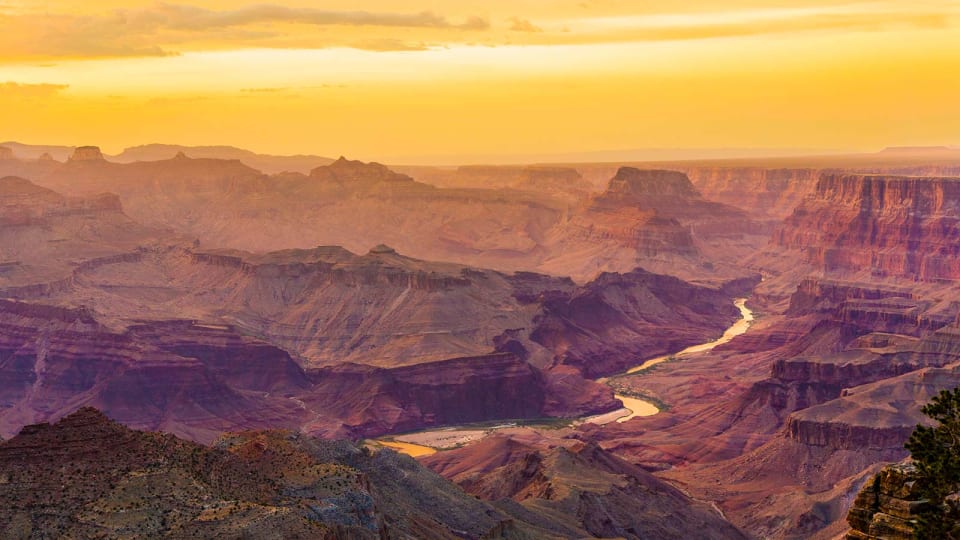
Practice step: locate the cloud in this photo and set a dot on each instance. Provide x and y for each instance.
(523, 25)
(157, 29)
(389, 44)
(475, 23)
(163, 29)
(811, 23)
(731, 24)
(53, 36)
(24, 90)
(185, 17)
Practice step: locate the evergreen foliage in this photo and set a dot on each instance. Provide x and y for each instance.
(936, 453)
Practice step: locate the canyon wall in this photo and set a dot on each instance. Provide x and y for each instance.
(884, 225)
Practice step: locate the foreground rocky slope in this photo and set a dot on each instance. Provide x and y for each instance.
(886, 506)
(87, 476)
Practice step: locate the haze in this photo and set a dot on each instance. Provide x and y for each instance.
(451, 82)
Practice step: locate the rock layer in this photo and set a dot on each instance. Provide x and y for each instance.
(887, 505)
(887, 225)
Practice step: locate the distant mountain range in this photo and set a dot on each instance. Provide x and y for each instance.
(269, 164)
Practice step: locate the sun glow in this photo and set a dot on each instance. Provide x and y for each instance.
(514, 78)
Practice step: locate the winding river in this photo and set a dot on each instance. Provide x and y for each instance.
(427, 442)
(639, 407)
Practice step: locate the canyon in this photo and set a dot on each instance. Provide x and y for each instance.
(262, 308)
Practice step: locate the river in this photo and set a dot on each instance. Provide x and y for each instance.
(641, 407)
(426, 442)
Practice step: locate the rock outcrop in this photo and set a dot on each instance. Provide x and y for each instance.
(576, 489)
(644, 186)
(887, 506)
(657, 220)
(86, 153)
(6, 153)
(344, 171)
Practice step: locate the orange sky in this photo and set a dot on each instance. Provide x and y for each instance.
(447, 81)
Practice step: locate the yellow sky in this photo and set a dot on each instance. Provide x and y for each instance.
(447, 81)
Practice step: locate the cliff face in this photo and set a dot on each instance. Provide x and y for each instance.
(671, 196)
(877, 415)
(54, 360)
(640, 185)
(603, 328)
(888, 225)
(870, 306)
(199, 380)
(765, 193)
(656, 219)
(370, 401)
(886, 506)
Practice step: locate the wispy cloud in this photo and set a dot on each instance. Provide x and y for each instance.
(518, 24)
(164, 29)
(158, 30)
(23, 90)
(185, 17)
(707, 25)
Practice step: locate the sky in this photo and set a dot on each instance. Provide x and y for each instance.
(444, 81)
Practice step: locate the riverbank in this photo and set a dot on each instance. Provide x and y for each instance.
(418, 444)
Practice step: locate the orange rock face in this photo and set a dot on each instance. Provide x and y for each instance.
(887, 225)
